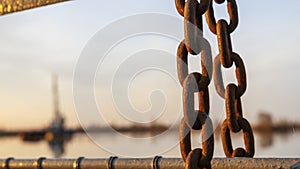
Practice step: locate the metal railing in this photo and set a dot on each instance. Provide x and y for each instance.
(144, 163)
(11, 6)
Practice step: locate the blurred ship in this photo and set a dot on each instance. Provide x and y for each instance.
(56, 134)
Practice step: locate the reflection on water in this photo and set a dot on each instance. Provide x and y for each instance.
(267, 145)
(57, 146)
(56, 136)
(266, 139)
(56, 143)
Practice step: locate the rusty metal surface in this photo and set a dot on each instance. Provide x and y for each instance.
(248, 139)
(11, 6)
(190, 87)
(192, 27)
(196, 82)
(202, 7)
(231, 110)
(233, 14)
(254, 163)
(235, 122)
(206, 63)
(240, 75)
(224, 44)
(149, 163)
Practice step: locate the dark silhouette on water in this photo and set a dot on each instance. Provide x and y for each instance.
(266, 128)
(56, 134)
(266, 125)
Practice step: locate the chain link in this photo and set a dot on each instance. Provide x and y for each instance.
(201, 9)
(194, 43)
(203, 158)
(235, 121)
(196, 82)
(233, 15)
(240, 75)
(248, 139)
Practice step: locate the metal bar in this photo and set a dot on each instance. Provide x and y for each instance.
(10, 6)
(145, 163)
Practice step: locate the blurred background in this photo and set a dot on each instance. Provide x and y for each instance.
(40, 48)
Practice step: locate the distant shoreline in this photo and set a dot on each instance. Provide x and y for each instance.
(157, 129)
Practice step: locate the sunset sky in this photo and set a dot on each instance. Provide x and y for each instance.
(36, 43)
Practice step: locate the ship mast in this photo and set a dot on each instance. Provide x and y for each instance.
(55, 96)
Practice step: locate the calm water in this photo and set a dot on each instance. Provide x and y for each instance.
(276, 145)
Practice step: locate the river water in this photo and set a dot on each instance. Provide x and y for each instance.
(267, 145)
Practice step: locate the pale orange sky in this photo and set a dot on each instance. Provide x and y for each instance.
(36, 43)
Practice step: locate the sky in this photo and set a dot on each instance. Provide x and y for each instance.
(36, 43)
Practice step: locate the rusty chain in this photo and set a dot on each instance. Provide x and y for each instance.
(196, 82)
(234, 121)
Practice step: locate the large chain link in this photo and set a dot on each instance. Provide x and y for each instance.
(194, 43)
(234, 121)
